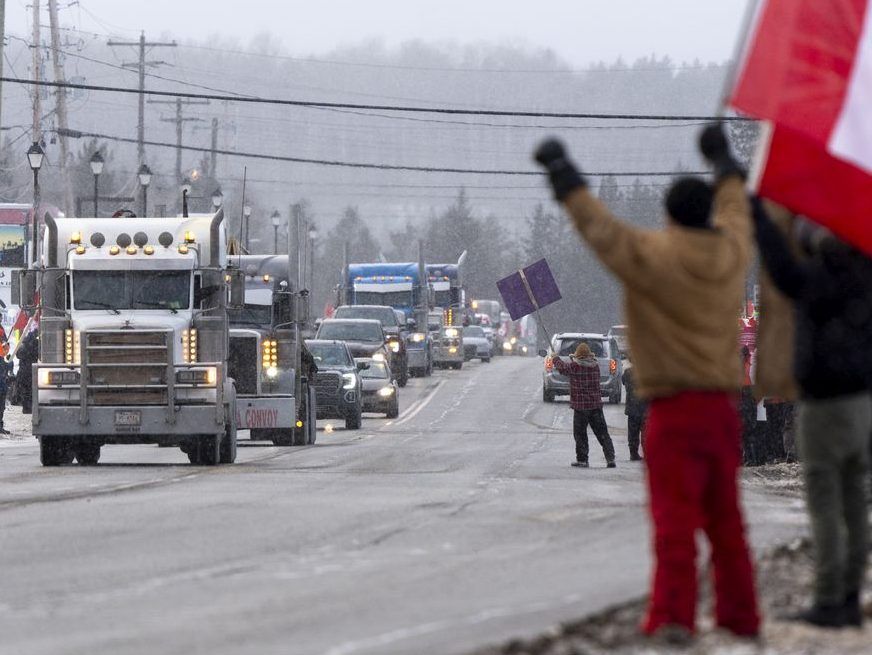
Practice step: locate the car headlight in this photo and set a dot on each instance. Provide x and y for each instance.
(507, 346)
(451, 332)
(524, 349)
(418, 337)
(349, 380)
(49, 378)
(377, 357)
(203, 377)
(514, 340)
(386, 392)
(394, 346)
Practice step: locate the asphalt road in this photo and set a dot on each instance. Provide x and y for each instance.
(458, 524)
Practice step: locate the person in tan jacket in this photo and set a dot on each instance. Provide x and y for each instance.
(683, 290)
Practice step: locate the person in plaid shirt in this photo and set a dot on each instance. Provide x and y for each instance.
(585, 398)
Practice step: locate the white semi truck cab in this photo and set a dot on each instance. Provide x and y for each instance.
(134, 337)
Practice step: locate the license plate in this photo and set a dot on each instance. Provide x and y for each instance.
(128, 419)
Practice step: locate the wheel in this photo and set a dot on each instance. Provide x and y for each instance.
(457, 366)
(206, 450)
(312, 417)
(284, 437)
(547, 396)
(88, 454)
(485, 360)
(228, 445)
(403, 377)
(394, 410)
(260, 434)
(55, 451)
(354, 422)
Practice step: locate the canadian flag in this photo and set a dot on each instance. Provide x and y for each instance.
(807, 70)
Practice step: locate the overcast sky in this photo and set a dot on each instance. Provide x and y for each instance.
(579, 31)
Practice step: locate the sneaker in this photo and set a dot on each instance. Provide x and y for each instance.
(581, 465)
(852, 613)
(611, 465)
(822, 616)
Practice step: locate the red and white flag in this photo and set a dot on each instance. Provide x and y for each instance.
(807, 70)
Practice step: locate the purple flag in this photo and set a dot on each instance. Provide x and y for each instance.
(529, 289)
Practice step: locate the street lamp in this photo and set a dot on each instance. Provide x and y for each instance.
(144, 181)
(276, 220)
(35, 155)
(186, 189)
(217, 198)
(96, 168)
(246, 216)
(310, 265)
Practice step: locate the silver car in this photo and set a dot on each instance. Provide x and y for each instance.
(476, 344)
(607, 354)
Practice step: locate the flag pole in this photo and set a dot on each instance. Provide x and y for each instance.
(738, 52)
(539, 321)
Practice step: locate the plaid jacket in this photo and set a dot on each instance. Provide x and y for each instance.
(584, 382)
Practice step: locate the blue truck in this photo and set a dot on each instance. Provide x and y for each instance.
(402, 287)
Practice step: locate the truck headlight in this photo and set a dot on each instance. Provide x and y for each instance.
(48, 378)
(451, 332)
(394, 346)
(386, 392)
(378, 357)
(453, 350)
(418, 337)
(272, 372)
(507, 346)
(349, 380)
(199, 377)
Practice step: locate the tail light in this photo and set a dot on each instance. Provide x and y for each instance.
(549, 364)
(613, 365)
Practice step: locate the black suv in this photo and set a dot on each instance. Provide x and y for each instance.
(394, 334)
(337, 383)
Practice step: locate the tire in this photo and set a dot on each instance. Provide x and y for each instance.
(547, 396)
(485, 360)
(284, 437)
(403, 378)
(457, 366)
(54, 451)
(394, 410)
(228, 446)
(355, 421)
(312, 417)
(206, 450)
(260, 434)
(88, 454)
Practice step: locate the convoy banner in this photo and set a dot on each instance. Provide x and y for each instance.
(808, 71)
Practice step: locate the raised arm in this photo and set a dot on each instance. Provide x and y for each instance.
(789, 275)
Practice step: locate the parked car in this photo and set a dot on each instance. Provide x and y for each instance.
(619, 334)
(379, 390)
(364, 337)
(607, 354)
(395, 334)
(476, 344)
(337, 383)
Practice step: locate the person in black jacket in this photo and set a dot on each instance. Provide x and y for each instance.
(28, 353)
(832, 295)
(635, 409)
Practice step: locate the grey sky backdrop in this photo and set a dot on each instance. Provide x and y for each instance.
(579, 31)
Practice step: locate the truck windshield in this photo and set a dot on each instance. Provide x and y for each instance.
(347, 331)
(132, 289)
(385, 315)
(390, 298)
(251, 314)
(443, 298)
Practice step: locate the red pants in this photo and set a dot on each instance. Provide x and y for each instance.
(693, 455)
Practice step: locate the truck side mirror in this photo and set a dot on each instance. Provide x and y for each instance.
(543, 353)
(27, 283)
(237, 289)
(411, 323)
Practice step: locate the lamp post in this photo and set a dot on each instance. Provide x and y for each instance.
(144, 181)
(186, 189)
(217, 199)
(96, 168)
(276, 220)
(246, 216)
(310, 266)
(35, 155)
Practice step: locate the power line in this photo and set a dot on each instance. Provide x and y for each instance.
(387, 167)
(398, 108)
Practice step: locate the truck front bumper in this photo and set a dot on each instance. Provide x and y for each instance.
(417, 358)
(153, 424)
(265, 412)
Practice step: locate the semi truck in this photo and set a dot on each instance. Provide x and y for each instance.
(403, 287)
(450, 298)
(274, 385)
(133, 337)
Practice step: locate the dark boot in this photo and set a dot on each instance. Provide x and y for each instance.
(635, 456)
(581, 464)
(852, 611)
(823, 616)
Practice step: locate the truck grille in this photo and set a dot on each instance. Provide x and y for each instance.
(242, 363)
(328, 387)
(127, 366)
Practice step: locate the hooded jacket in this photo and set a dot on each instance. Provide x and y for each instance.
(584, 381)
(683, 290)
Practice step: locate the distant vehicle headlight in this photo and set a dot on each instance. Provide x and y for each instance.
(524, 349)
(451, 332)
(394, 346)
(507, 346)
(349, 380)
(386, 392)
(378, 357)
(418, 337)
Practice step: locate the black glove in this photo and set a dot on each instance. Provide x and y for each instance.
(563, 174)
(758, 210)
(715, 148)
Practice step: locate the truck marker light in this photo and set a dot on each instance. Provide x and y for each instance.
(266, 278)
(227, 278)
(148, 250)
(452, 350)
(183, 249)
(189, 237)
(299, 424)
(114, 250)
(76, 237)
(211, 375)
(80, 250)
(132, 250)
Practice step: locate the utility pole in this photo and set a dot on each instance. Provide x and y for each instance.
(179, 120)
(142, 44)
(61, 104)
(213, 162)
(2, 42)
(36, 75)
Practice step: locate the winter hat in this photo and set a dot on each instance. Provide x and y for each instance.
(582, 352)
(689, 202)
